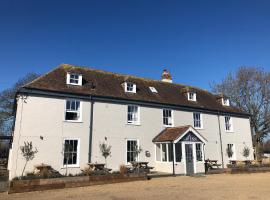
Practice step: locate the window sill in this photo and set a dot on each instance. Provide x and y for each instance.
(72, 121)
(70, 166)
(133, 124)
(168, 126)
(199, 128)
(229, 131)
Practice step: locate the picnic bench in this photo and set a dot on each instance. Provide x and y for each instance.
(98, 167)
(141, 166)
(211, 164)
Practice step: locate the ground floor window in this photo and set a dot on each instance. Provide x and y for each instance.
(230, 150)
(178, 152)
(164, 152)
(70, 152)
(199, 151)
(132, 146)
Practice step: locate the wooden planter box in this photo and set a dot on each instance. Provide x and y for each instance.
(248, 170)
(18, 186)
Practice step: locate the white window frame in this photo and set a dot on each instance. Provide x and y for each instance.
(138, 116)
(138, 144)
(225, 102)
(79, 79)
(78, 153)
(134, 88)
(153, 89)
(192, 96)
(228, 123)
(171, 118)
(234, 151)
(167, 152)
(201, 120)
(80, 111)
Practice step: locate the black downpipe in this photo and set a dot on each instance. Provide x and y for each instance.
(220, 138)
(173, 158)
(91, 129)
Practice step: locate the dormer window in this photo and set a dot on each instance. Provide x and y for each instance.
(130, 87)
(154, 90)
(191, 96)
(225, 101)
(74, 79)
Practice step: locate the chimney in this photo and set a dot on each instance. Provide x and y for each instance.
(166, 76)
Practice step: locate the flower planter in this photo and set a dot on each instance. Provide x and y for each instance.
(17, 186)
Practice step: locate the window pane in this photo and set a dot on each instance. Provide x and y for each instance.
(170, 152)
(178, 152)
(164, 152)
(158, 152)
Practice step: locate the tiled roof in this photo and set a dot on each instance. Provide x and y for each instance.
(171, 134)
(110, 85)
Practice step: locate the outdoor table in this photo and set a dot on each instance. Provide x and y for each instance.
(96, 166)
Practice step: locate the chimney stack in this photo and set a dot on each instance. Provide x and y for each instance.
(166, 76)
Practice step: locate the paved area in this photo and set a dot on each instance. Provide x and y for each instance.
(217, 187)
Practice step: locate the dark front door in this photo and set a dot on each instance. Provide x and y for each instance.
(189, 159)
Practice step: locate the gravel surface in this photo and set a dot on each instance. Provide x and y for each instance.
(222, 186)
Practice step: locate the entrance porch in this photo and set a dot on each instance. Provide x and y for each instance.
(180, 150)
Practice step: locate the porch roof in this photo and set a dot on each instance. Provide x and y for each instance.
(173, 133)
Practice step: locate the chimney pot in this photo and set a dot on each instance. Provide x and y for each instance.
(166, 76)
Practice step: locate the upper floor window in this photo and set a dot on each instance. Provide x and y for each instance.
(73, 110)
(191, 96)
(154, 90)
(74, 79)
(167, 117)
(225, 101)
(130, 87)
(228, 123)
(197, 120)
(133, 115)
(71, 151)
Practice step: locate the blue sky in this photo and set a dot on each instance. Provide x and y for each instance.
(198, 41)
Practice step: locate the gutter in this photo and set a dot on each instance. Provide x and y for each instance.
(90, 129)
(220, 140)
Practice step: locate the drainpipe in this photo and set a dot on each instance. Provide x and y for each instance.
(173, 158)
(91, 129)
(220, 138)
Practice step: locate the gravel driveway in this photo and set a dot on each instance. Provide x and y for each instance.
(223, 186)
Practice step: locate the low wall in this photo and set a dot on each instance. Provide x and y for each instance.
(248, 170)
(18, 186)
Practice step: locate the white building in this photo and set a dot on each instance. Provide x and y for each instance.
(177, 126)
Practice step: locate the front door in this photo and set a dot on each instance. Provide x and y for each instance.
(189, 159)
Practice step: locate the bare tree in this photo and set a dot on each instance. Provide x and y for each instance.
(249, 90)
(28, 153)
(7, 97)
(105, 151)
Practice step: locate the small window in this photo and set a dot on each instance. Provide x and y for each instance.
(70, 152)
(191, 96)
(130, 87)
(73, 110)
(74, 79)
(225, 101)
(132, 146)
(153, 89)
(199, 152)
(197, 120)
(228, 123)
(167, 117)
(133, 114)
